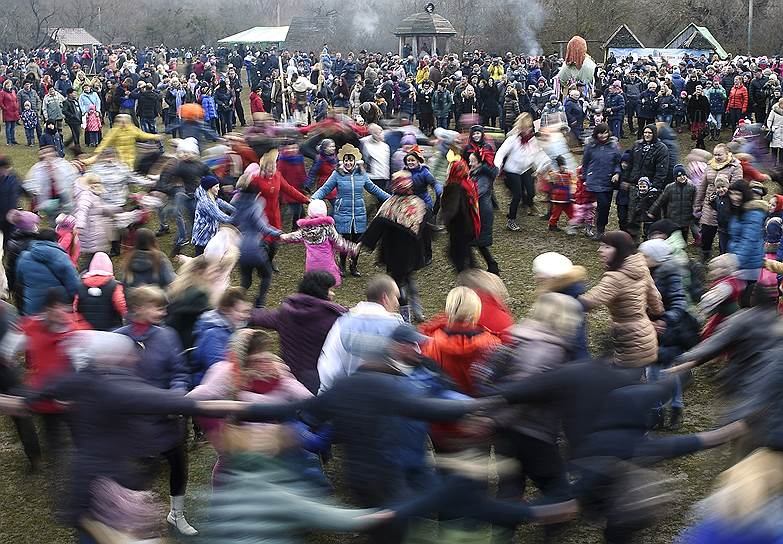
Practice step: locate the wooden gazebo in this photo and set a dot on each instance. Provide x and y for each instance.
(425, 31)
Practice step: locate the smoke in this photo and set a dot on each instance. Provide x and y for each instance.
(531, 19)
(365, 21)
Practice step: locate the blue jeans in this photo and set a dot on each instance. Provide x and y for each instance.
(148, 125)
(718, 120)
(615, 126)
(443, 122)
(654, 374)
(10, 132)
(183, 204)
(666, 119)
(29, 133)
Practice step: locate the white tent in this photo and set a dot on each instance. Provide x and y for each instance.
(259, 34)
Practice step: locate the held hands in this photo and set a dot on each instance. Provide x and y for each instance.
(615, 178)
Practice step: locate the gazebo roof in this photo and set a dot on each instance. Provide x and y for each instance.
(72, 36)
(425, 24)
(623, 37)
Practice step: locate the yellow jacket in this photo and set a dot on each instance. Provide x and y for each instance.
(422, 75)
(123, 140)
(496, 71)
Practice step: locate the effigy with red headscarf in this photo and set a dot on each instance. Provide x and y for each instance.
(578, 67)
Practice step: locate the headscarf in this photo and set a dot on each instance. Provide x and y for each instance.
(403, 208)
(459, 173)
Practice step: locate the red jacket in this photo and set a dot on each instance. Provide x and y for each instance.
(270, 188)
(738, 98)
(45, 355)
(256, 104)
(9, 103)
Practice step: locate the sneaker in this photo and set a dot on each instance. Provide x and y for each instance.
(571, 230)
(512, 225)
(163, 230)
(589, 231)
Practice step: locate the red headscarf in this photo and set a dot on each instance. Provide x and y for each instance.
(460, 173)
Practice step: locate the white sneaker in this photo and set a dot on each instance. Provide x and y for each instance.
(176, 517)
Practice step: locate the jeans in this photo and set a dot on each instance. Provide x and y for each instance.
(10, 132)
(654, 374)
(76, 129)
(226, 121)
(604, 201)
(183, 203)
(148, 126)
(615, 126)
(666, 119)
(29, 133)
(443, 122)
(708, 233)
(718, 120)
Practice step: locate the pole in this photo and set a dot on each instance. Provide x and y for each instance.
(282, 87)
(278, 12)
(750, 24)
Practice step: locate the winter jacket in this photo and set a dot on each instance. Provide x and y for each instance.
(10, 191)
(442, 102)
(422, 181)
(571, 283)
(630, 295)
(89, 99)
(648, 105)
(738, 98)
(722, 207)
(775, 126)
(251, 221)
(149, 104)
(350, 214)
(45, 264)
(456, 347)
(717, 97)
(705, 189)
(540, 99)
(666, 105)
(300, 346)
(211, 334)
(72, 113)
(599, 163)
(746, 235)
(183, 311)
(123, 140)
(510, 110)
(9, 104)
(574, 112)
(321, 241)
(650, 160)
(352, 337)
(614, 106)
(210, 213)
(698, 109)
(677, 203)
(532, 349)
(270, 188)
(517, 157)
(484, 177)
(668, 280)
(142, 271)
(53, 107)
(30, 96)
(162, 364)
(94, 221)
(101, 302)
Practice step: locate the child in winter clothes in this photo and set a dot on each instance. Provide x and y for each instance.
(721, 203)
(92, 126)
(643, 196)
(623, 190)
(30, 123)
(583, 208)
(681, 111)
(321, 239)
(68, 237)
(51, 137)
(210, 212)
(210, 109)
(561, 188)
(773, 229)
(323, 166)
(676, 201)
(101, 298)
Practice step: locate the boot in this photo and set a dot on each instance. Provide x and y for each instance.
(353, 268)
(176, 517)
(115, 249)
(675, 421)
(343, 272)
(162, 230)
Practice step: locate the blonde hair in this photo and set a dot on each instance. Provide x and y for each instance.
(146, 295)
(194, 273)
(560, 313)
(481, 280)
(463, 305)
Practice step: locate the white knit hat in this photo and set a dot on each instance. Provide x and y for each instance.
(316, 208)
(188, 145)
(658, 250)
(551, 265)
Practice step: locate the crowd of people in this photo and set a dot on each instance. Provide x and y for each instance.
(126, 361)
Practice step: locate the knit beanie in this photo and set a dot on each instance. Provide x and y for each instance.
(679, 170)
(209, 181)
(408, 139)
(657, 250)
(24, 220)
(551, 265)
(316, 208)
(100, 265)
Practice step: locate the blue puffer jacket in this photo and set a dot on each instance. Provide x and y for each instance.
(211, 332)
(44, 265)
(422, 180)
(599, 163)
(614, 105)
(746, 235)
(251, 221)
(163, 366)
(678, 82)
(349, 211)
(209, 215)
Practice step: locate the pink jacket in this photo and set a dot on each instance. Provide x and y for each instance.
(321, 240)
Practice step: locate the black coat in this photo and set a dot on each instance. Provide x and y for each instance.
(148, 105)
(650, 160)
(401, 252)
(698, 109)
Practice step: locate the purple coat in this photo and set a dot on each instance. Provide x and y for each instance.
(321, 240)
(300, 345)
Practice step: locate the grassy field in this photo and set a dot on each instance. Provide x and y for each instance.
(25, 512)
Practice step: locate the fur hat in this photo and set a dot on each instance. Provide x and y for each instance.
(551, 265)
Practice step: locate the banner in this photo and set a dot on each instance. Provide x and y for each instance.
(672, 56)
